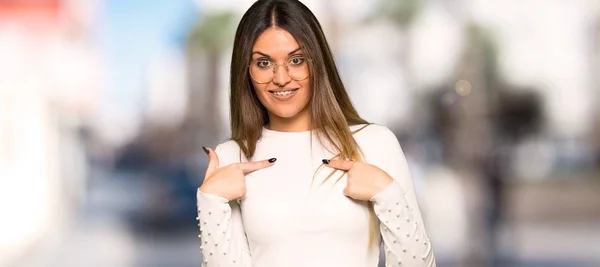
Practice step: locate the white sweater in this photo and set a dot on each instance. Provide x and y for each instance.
(287, 220)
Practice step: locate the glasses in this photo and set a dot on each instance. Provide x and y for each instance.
(263, 70)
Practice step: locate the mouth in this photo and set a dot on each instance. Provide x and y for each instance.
(283, 93)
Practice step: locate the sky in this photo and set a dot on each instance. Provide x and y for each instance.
(132, 34)
(537, 49)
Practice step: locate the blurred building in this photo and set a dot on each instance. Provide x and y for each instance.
(104, 105)
(45, 64)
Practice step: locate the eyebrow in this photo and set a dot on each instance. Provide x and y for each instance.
(263, 54)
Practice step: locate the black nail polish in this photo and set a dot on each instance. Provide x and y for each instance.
(325, 161)
(271, 160)
(205, 150)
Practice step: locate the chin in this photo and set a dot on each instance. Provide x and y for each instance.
(288, 110)
(286, 113)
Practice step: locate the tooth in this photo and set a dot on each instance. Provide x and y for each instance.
(284, 93)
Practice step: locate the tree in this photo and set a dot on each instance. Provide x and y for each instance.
(595, 137)
(402, 14)
(209, 39)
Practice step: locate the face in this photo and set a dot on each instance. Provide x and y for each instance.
(287, 94)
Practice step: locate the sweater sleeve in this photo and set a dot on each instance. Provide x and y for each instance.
(401, 225)
(222, 236)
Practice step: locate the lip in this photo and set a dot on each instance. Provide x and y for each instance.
(286, 97)
(283, 89)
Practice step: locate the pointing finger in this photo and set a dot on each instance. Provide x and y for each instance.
(248, 167)
(213, 160)
(339, 164)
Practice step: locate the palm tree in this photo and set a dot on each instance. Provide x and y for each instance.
(333, 25)
(209, 39)
(402, 13)
(595, 40)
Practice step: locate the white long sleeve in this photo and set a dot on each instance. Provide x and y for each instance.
(401, 225)
(405, 239)
(292, 216)
(222, 236)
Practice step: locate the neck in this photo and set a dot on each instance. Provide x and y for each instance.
(299, 123)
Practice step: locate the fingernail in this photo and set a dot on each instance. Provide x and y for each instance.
(205, 150)
(325, 161)
(271, 160)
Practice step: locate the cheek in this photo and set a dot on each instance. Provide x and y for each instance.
(259, 90)
(307, 87)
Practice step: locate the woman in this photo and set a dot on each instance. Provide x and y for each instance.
(304, 180)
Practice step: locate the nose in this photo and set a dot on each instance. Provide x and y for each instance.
(281, 77)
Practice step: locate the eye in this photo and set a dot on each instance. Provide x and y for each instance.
(263, 63)
(297, 60)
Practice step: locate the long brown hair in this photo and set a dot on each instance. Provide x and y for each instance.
(331, 110)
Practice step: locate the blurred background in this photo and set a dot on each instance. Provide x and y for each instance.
(104, 106)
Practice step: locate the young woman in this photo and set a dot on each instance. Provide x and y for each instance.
(304, 180)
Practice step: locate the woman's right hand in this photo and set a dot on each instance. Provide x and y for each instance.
(229, 181)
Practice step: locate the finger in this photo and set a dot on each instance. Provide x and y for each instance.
(213, 161)
(248, 167)
(339, 164)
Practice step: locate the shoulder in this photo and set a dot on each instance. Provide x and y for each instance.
(373, 134)
(377, 142)
(228, 146)
(228, 152)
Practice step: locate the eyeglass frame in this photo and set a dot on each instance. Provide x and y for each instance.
(275, 68)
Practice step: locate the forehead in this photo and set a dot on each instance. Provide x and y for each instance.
(275, 42)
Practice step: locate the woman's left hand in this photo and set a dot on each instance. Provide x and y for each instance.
(364, 180)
